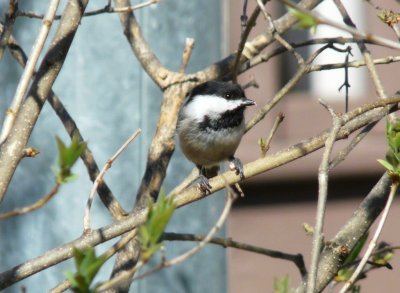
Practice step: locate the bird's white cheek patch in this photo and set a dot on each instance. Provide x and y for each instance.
(203, 105)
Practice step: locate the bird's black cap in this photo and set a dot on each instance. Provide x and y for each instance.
(229, 91)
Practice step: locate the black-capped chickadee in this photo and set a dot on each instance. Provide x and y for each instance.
(211, 125)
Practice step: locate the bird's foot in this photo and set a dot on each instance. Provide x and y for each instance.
(236, 165)
(204, 184)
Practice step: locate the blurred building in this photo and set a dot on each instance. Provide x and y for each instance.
(279, 201)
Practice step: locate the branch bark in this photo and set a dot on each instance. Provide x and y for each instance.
(12, 150)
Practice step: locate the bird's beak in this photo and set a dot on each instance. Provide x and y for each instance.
(247, 102)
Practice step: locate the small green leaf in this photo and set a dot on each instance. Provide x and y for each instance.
(344, 274)
(67, 157)
(87, 265)
(151, 231)
(281, 285)
(383, 258)
(305, 20)
(386, 165)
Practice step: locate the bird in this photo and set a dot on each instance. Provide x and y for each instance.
(210, 127)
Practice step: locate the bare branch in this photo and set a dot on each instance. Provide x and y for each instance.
(364, 50)
(6, 30)
(297, 259)
(302, 70)
(23, 83)
(86, 218)
(372, 244)
(265, 145)
(322, 198)
(243, 39)
(105, 9)
(37, 205)
(149, 61)
(354, 64)
(11, 151)
(356, 33)
(187, 52)
(105, 193)
(354, 142)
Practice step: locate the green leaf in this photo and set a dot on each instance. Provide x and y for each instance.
(305, 20)
(344, 274)
(281, 285)
(383, 258)
(87, 266)
(67, 157)
(151, 231)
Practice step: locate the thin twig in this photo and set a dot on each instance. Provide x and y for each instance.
(297, 259)
(301, 71)
(354, 64)
(106, 9)
(6, 30)
(366, 53)
(322, 198)
(28, 71)
(245, 34)
(354, 142)
(267, 143)
(346, 83)
(37, 205)
(356, 33)
(277, 36)
(86, 218)
(374, 239)
(187, 52)
(251, 83)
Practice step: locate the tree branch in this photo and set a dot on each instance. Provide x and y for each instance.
(337, 249)
(23, 83)
(40, 203)
(107, 197)
(372, 244)
(297, 259)
(149, 61)
(6, 30)
(11, 151)
(322, 198)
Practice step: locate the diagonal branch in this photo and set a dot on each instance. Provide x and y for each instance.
(149, 61)
(6, 30)
(11, 151)
(70, 126)
(23, 83)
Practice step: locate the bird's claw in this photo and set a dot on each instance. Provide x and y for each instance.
(236, 164)
(204, 184)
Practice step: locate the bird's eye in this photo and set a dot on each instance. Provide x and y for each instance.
(228, 96)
